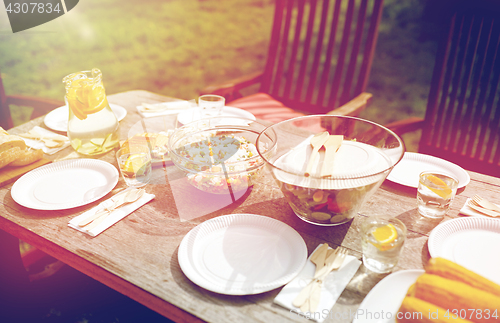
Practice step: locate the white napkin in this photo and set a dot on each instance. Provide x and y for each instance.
(467, 210)
(172, 107)
(37, 144)
(112, 218)
(333, 285)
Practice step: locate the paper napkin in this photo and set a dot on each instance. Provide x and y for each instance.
(37, 144)
(164, 108)
(333, 285)
(467, 210)
(112, 218)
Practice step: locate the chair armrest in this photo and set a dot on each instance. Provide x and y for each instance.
(407, 125)
(231, 89)
(353, 107)
(41, 106)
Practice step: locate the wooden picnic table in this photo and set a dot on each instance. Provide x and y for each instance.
(138, 255)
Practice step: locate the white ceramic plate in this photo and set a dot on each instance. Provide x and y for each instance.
(57, 119)
(470, 242)
(242, 254)
(193, 114)
(65, 184)
(409, 168)
(383, 301)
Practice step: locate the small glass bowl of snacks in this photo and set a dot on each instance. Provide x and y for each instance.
(153, 133)
(327, 166)
(218, 155)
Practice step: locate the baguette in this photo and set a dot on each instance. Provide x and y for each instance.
(27, 157)
(10, 141)
(9, 155)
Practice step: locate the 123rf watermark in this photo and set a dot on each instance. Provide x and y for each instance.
(361, 314)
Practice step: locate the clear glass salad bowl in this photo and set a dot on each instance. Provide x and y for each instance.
(218, 155)
(368, 152)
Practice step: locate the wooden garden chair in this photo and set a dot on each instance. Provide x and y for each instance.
(462, 120)
(41, 106)
(319, 59)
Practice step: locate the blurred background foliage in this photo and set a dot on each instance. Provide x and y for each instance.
(178, 47)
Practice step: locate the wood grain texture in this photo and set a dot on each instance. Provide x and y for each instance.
(9, 174)
(138, 255)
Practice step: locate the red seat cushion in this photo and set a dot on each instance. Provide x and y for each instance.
(264, 107)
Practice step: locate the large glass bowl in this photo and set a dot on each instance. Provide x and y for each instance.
(218, 155)
(366, 156)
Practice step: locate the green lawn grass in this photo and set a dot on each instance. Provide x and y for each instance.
(178, 47)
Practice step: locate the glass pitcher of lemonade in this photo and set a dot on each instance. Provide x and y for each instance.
(92, 125)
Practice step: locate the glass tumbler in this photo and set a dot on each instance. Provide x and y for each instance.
(134, 163)
(382, 239)
(211, 105)
(435, 193)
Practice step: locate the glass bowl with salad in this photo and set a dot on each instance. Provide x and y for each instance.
(218, 155)
(354, 160)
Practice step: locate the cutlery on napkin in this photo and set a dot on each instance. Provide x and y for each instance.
(107, 213)
(325, 295)
(483, 208)
(126, 197)
(48, 141)
(147, 110)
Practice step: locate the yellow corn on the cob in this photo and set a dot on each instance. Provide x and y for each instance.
(448, 269)
(453, 295)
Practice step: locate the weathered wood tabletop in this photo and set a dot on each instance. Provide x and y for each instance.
(138, 255)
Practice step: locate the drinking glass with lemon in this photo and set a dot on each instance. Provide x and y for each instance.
(382, 238)
(135, 165)
(435, 193)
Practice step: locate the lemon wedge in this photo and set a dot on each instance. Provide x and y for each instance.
(134, 163)
(441, 189)
(384, 236)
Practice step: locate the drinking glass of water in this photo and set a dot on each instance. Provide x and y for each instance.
(382, 238)
(435, 193)
(135, 165)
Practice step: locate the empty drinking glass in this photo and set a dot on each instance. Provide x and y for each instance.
(211, 105)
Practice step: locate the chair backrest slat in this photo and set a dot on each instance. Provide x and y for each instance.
(292, 63)
(460, 84)
(342, 54)
(463, 111)
(329, 52)
(353, 62)
(305, 50)
(369, 49)
(318, 51)
(482, 113)
(459, 121)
